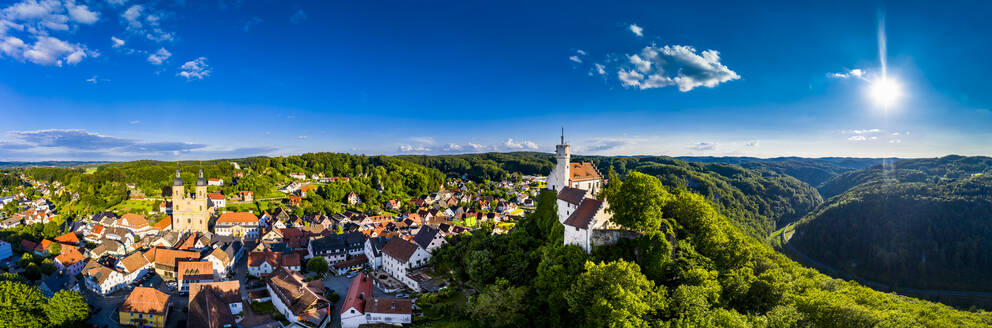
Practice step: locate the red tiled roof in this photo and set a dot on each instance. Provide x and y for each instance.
(199, 270)
(164, 223)
(399, 249)
(360, 289)
(69, 238)
(145, 300)
(584, 214)
(238, 217)
(215, 196)
(583, 172)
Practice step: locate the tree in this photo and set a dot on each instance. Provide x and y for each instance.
(21, 305)
(66, 309)
(613, 184)
(480, 266)
(317, 264)
(638, 203)
(615, 294)
(499, 304)
(54, 249)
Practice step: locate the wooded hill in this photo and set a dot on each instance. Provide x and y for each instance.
(922, 223)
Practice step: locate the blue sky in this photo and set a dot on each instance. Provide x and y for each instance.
(126, 79)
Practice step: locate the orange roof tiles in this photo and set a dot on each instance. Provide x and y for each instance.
(69, 238)
(164, 223)
(134, 221)
(146, 300)
(200, 270)
(215, 196)
(237, 217)
(583, 171)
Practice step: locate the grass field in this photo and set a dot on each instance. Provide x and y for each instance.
(136, 206)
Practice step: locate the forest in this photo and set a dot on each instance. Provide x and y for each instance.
(689, 267)
(924, 223)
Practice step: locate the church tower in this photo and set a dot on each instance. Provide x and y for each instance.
(559, 176)
(189, 213)
(201, 186)
(177, 186)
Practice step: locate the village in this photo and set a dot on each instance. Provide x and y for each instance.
(190, 261)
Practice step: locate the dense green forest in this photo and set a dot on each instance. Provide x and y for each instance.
(689, 267)
(924, 223)
(759, 200)
(23, 305)
(813, 171)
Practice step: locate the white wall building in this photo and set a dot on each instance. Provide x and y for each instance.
(400, 256)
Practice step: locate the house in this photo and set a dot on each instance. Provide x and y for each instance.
(193, 272)
(134, 266)
(103, 280)
(215, 182)
(108, 247)
(359, 307)
(69, 238)
(295, 200)
(353, 199)
(266, 262)
(134, 222)
(217, 199)
(298, 300)
(122, 235)
(429, 238)
(5, 250)
(298, 176)
(373, 251)
(394, 204)
(337, 248)
(166, 261)
(224, 257)
(214, 304)
(247, 196)
(70, 259)
(346, 266)
(238, 225)
(307, 190)
(569, 200)
(10, 222)
(57, 282)
(590, 215)
(164, 207)
(144, 307)
(399, 256)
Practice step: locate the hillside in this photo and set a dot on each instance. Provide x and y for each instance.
(924, 223)
(689, 268)
(813, 171)
(759, 200)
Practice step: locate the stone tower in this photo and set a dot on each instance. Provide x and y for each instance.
(559, 174)
(189, 212)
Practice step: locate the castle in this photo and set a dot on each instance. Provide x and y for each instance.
(189, 212)
(577, 185)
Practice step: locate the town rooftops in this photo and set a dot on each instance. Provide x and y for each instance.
(164, 223)
(200, 270)
(571, 195)
(302, 298)
(425, 236)
(68, 238)
(146, 300)
(134, 262)
(208, 309)
(133, 221)
(400, 249)
(584, 214)
(388, 305)
(215, 196)
(583, 171)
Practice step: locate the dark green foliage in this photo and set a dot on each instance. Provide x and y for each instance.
(637, 204)
(318, 265)
(918, 223)
(22, 305)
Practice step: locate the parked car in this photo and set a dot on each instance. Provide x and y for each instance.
(351, 275)
(402, 295)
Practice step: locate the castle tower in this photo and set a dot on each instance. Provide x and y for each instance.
(558, 178)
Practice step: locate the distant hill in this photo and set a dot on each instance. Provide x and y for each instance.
(921, 223)
(9, 165)
(813, 171)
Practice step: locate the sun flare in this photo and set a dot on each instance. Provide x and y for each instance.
(885, 91)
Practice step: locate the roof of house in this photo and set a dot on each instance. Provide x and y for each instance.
(134, 221)
(377, 244)
(208, 309)
(425, 236)
(229, 291)
(357, 260)
(299, 296)
(200, 270)
(571, 195)
(99, 273)
(400, 249)
(169, 257)
(584, 171)
(70, 255)
(584, 214)
(134, 262)
(215, 196)
(358, 291)
(146, 300)
(68, 238)
(389, 305)
(237, 217)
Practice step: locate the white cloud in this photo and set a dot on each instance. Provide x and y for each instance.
(600, 69)
(453, 147)
(575, 58)
(81, 13)
(639, 31)
(657, 67)
(855, 73)
(301, 137)
(196, 69)
(46, 50)
(704, 146)
(423, 140)
(134, 122)
(413, 149)
(509, 143)
(857, 138)
(146, 22)
(580, 52)
(298, 17)
(116, 2)
(866, 131)
(477, 147)
(117, 42)
(96, 79)
(159, 56)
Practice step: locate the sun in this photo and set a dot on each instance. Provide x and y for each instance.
(885, 91)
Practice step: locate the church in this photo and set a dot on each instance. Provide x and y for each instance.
(578, 185)
(189, 211)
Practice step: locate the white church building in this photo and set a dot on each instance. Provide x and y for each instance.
(577, 185)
